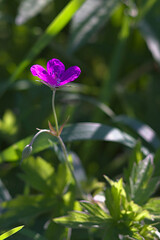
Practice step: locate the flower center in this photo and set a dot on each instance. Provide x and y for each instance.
(58, 81)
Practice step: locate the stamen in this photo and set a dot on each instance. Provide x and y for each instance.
(58, 81)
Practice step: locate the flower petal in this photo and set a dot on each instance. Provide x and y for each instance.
(55, 67)
(70, 75)
(40, 72)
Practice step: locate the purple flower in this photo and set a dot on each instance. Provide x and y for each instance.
(55, 76)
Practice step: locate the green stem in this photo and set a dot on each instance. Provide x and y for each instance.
(54, 111)
(63, 146)
(70, 166)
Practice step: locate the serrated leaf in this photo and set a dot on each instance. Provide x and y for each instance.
(10, 232)
(28, 9)
(142, 185)
(114, 196)
(88, 20)
(94, 209)
(153, 206)
(82, 220)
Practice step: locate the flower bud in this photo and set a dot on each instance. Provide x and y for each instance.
(27, 151)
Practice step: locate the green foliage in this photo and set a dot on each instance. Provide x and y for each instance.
(117, 217)
(113, 126)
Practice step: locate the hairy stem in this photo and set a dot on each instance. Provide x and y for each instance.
(54, 111)
(68, 164)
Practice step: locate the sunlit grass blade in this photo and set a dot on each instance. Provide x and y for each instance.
(10, 232)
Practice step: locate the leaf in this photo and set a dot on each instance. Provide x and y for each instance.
(74, 132)
(153, 206)
(149, 27)
(114, 198)
(52, 30)
(39, 174)
(88, 20)
(25, 209)
(28, 9)
(31, 235)
(152, 40)
(78, 97)
(157, 163)
(78, 168)
(81, 220)
(135, 157)
(141, 183)
(10, 232)
(94, 209)
(116, 62)
(4, 193)
(142, 129)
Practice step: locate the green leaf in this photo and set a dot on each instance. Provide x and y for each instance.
(10, 232)
(39, 174)
(149, 27)
(28, 9)
(116, 62)
(88, 20)
(141, 183)
(31, 235)
(135, 157)
(82, 220)
(114, 196)
(152, 40)
(157, 163)
(25, 209)
(79, 97)
(56, 231)
(146, 7)
(78, 168)
(142, 129)
(74, 132)
(94, 209)
(153, 206)
(4, 193)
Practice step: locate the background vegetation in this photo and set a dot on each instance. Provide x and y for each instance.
(116, 44)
